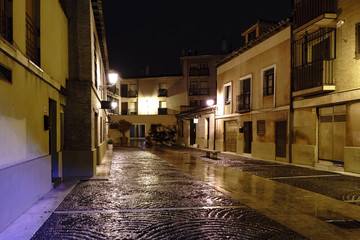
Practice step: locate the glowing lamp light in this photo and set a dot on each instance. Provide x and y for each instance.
(196, 120)
(113, 77)
(114, 105)
(210, 102)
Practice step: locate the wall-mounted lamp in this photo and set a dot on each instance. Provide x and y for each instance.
(196, 120)
(340, 23)
(112, 79)
(210, 102)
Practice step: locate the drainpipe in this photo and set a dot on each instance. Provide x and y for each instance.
(291, 107)
(214, 110)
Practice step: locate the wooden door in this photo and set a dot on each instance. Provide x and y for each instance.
(247, 137)
(281, 138)
(230, 136)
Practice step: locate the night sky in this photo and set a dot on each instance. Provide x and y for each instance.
(155, 32)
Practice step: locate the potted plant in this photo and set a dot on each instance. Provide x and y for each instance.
(110, 143)
(123, 127)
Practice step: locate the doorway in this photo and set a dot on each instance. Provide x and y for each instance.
(192, 132)
(248, 136)
(55, 168)
(207, 131)
(332, 133)
(230, 135)
(280, 138)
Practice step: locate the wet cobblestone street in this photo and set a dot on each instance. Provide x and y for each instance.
(146, 197)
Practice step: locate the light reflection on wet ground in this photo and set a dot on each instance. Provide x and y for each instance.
(306, 212)
(146, 197)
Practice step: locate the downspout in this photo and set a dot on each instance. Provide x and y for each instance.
(291, 107)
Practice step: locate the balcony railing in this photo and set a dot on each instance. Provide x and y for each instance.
(5, 26)
(243, 103)
(132, 93)
(198, 91)
(162, 111)
(313, 75)
(32, 40)
(307, 10)
(162, 93)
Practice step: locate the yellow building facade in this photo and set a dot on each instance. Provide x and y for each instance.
(34, 69)
(253, 95)
(326, 71)
(147, 101)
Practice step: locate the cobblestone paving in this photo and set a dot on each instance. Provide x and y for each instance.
(147, 198)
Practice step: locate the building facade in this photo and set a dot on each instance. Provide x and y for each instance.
(325, 67)
(199, 74)
(147, 101)
(33, 73)
(253, 94)
(85, 120)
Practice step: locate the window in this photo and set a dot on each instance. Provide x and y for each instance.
(193, 103)
(199, 69)
(227, 94)
(5, 74)
(204, 89)
(6, 19)
(261, 127)
(124, 90)
(252, 35)
(357, 40)
(268, 82)
(243, 99)
(33, 30)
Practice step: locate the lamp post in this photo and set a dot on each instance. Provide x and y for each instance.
(211, 102)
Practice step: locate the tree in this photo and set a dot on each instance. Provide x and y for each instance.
(162, 134)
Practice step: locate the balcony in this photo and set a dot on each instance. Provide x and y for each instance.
(162, 93)
(5, 26)
(318, 10)
(313, 78)
(243, 103)
(32, 41)
(162, 111)
(198, 91)
(132, 93)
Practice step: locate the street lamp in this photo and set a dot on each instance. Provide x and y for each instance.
(113, 77)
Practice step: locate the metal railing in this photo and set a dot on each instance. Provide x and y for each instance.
(198, 91)
(32, 40)
(306, 10)
(162, 93)
(6, 26)
(312, 75)
(132, 93)
(162, 111)
(243, 103)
